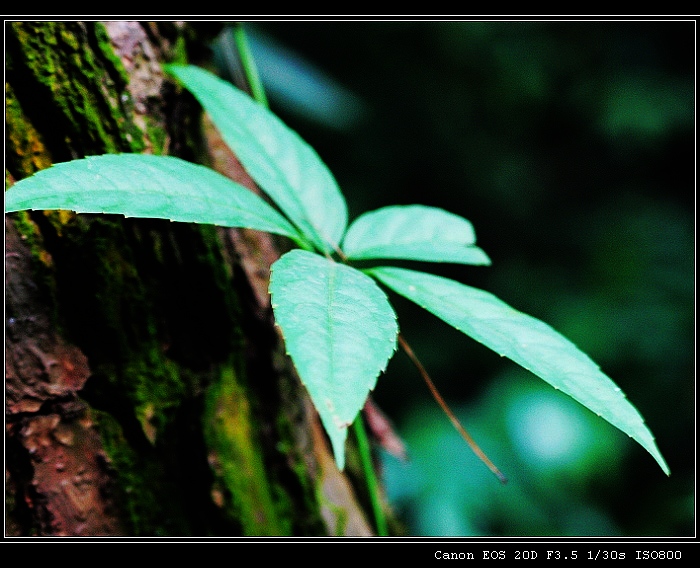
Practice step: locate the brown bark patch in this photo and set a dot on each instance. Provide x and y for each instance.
(39, 365)
(70, 485)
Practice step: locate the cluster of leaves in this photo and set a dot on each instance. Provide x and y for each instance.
(339, 327)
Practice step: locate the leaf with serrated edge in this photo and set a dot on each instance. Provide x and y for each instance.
(527, 341)
(137, 185)
(413, 232)
(340, 332)
(281, 163)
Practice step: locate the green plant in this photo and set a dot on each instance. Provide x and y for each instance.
(339, 327)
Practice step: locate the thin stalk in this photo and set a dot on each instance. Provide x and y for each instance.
(250, 70)
(446, 409)
(370, 476)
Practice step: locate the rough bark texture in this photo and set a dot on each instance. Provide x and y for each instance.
(147, 389)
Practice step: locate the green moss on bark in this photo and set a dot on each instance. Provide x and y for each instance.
(63, 65)
(308, 495)
(144, 496)
(246, 491)
(29, 154)
(105, 46)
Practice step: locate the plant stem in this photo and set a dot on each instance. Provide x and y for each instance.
(250, 70)
(446, 409)
(370, 476)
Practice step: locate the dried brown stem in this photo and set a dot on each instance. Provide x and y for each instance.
(446, 409)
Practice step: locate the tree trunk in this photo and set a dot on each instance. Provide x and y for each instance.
(147, 389)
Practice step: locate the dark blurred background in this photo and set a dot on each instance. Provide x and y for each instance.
(570, 147)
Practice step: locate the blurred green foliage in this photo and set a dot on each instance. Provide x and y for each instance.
(560, 457)
(570, 146)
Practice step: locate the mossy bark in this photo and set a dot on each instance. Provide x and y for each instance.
(147, 390)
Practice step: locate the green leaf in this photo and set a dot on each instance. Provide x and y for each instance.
(413, 232)
(527, 341)
(340, 332)
(137, 185)
(282, 164)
